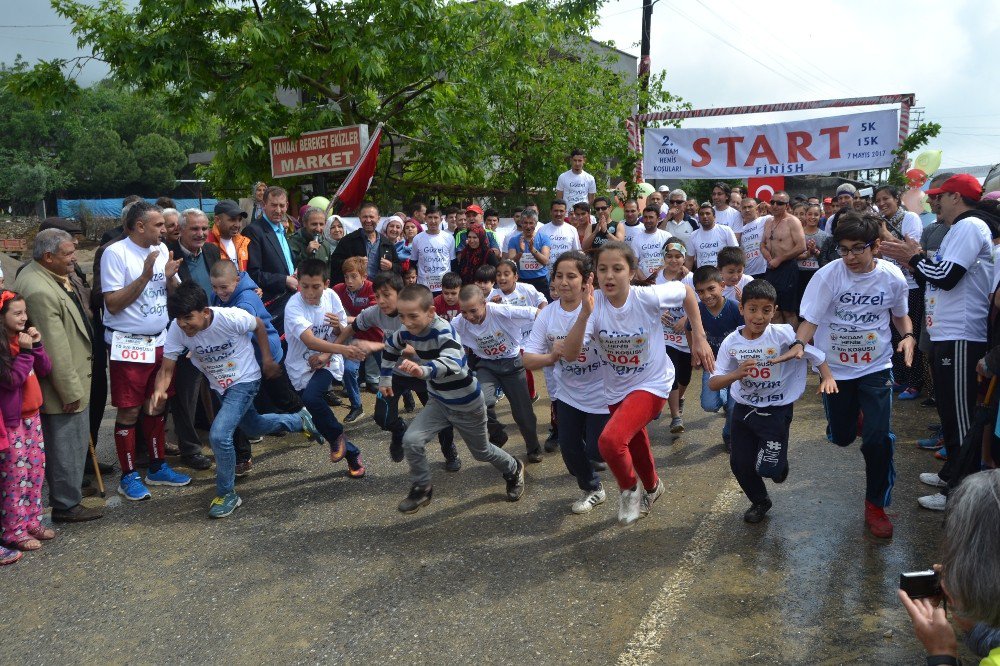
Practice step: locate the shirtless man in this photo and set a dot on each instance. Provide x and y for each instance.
(781, 243)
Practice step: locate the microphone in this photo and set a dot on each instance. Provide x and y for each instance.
(316, 238)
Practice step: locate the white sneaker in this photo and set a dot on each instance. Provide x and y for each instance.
(932, 479)
(649, 498)
(590, 499)
(630, 506)
(935, 502)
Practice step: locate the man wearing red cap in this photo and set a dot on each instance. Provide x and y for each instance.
(958, 278)
(473, 216)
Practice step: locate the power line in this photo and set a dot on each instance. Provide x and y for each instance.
(39, 25)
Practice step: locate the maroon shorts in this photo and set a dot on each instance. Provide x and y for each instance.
(133, 383)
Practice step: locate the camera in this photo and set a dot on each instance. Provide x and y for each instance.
(920, 584)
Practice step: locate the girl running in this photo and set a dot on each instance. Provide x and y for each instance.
(624, 321)
(675, 331)
(512, 292)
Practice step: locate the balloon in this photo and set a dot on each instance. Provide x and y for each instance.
(913, 200)
(916, 177)
(617, 213)
(320, 202)
(643, 190)
(928, 161)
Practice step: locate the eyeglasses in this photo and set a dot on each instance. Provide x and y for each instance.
(857, 250)
(677, 202)
(779, 203)
(600, 208)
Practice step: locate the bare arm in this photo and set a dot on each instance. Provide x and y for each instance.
(163, 378)
(701, 351)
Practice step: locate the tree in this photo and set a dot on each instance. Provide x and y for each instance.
(159, 158)
(101, 159)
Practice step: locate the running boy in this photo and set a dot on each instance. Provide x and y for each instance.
(355, 293)
(764, 392)
(731, 262)
(455, 397)
(446, 303)
(486, 278)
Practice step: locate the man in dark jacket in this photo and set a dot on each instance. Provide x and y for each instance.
(270, 263)
(309, 241)
(365, 242)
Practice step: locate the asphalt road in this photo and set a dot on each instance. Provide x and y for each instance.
(318, 567)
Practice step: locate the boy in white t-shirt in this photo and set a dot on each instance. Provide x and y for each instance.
(648, 244)
(216, 339)
(433, 250)
(576, 184)
(764, 392)
(847, 308)
(703, 244)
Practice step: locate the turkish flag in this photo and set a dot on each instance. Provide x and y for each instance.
(762, 189)
(352, 191)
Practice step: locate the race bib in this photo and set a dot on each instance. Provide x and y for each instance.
(810, 264)
(857, 348)
(626, 353)
(434, 282)
(132, 347)
(751, 252)
(223, 372)
(930, 302)
(529, 263)
(493, 345)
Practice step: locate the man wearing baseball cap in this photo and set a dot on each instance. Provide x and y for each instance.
(473, 215)
(225, 233)
(958, 278)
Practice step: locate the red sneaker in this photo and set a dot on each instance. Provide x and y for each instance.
(877, 522)
(355, 468)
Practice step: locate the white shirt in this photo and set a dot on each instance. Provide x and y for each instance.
(730, 292)
(433, 254)
(121, 264)
(730, 217)
(630, 340)
(576, 187)
(230, 247)
(223, 351)
(562, 238)
(960, 313)
(681, 230)
(852, 313)
(631, 231)
(499, 335)
(301, 317)
(704, 244)
(577, 383)
(648, 248)
(754, 261)
(671, 337)
(767, 384)
(524, 295)
(912, 227)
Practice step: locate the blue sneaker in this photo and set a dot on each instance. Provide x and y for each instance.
(223, 506)
(308, 427)
(131, 488)
(909, 394)
(931, 443)
(167, 477)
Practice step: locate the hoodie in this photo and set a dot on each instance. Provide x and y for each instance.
(245, 298)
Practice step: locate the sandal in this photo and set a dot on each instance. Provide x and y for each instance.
(43, 533)
(27, 544)
(8, 556)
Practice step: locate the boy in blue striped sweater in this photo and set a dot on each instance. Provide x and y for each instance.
(455, 398)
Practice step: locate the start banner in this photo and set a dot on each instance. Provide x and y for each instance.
(334, 149)
(818, 145)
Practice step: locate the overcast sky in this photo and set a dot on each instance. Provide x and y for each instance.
(731, 53)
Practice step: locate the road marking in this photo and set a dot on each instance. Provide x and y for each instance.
(662, 613)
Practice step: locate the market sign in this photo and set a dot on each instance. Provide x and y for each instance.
(334, 149)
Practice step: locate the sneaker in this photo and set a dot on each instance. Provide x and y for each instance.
(396, 450)
(256, 440)
(338, 449)
(756, 512)
(453, 464)
(515, 482)
(649, 497)
(9, 556)
(589, 500)
(243, 468)
(934, 427)
(935, 502)
(355, 467)
(552, 443)
(676, 425)
(536, 456)
(897, 387)
(941, 454)
(930, 443)
(877, 522)
(197, 461)
(629, 506)
(131, 488)
(223, 506)
(308, 427)
(167, 477)
(355, 414)
(408, 404)
(419, 496)
(909, 394)
(932, 479)
(929, 402)
(333, 399)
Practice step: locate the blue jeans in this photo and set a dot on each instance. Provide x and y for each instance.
(326, 422)
(351, 386)
(713, 401)
(373, 368)
(237, 410)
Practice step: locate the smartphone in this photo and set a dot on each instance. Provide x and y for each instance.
(866, 192)
(920, 584)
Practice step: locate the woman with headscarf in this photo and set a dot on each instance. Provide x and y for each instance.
(257, 200)
(476, 253)
(333, 231)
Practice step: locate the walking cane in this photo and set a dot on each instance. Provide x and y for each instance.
(97, 467)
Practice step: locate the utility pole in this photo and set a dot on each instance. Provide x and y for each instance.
(644, 62)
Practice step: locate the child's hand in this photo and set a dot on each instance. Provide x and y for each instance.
(354, 353)
(318, 361)
(746, 366)
(385, 390)
(680, 326)
(828, 386)
(794, 352)
(332, 319)
(410, 353)
(24, 340)
(667, 319)
(588, 300)
(408, 367)
(738, 293)
(158, 400)
(36, 337)
(557, 349)
(496, 299)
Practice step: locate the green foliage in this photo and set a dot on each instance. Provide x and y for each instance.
(701, 188)
(159, 158)
(99, 159)
(916, 140)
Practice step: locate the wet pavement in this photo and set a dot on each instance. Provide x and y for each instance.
(319, 567)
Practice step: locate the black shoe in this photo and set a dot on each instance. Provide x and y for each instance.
(419, 496)
(929, 402)
(755, 513)
(453, 464)
(243, 467)
(515, 482)
(353, 415)
(396, 450)
(784, 475)
(408, 404)
(500, 441)
(332, 399)
(599, 465)
(552, 443)
(196, 461)
(78, 514)
(535, 456)
(105, 468)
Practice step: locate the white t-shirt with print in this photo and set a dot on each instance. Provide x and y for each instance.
(704, 244)
(630, 339)
(753, 233)
(223, 351)
(852, 313)
(433, 254)
(301, 317)
(767, 384)
(960, 313)
(672, 338)
(524, 295)
(577, 383)
(121, 264)
(730, 217)
(632, 231)
(648, 250)
(576, 187)
(500, 333)
(562, 238)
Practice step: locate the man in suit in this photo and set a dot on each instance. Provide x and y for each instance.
(270, 263)
(57, 311)
(365, 242)
(198, 259)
